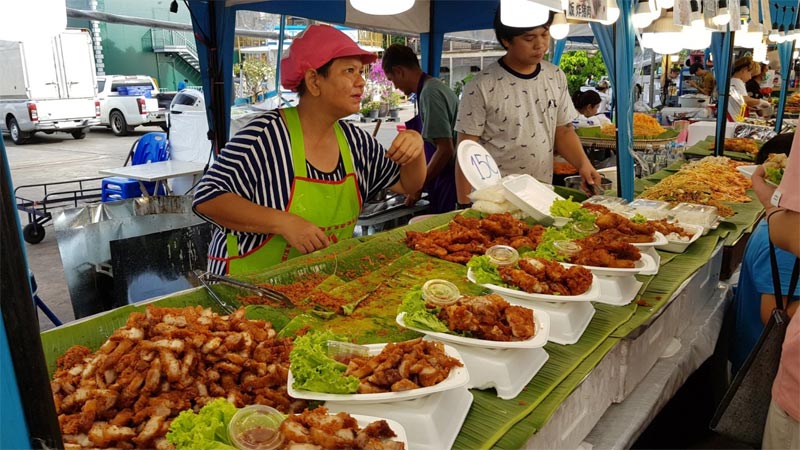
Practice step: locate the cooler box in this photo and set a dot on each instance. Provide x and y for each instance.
(700, 130)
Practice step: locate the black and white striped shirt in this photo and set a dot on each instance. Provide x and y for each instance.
(257, 165)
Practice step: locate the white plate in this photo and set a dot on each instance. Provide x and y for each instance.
(645, 264)
(398, 429)
(477, 165)
(592, 294)
(678, 246)
(540, 318)
(458, 377)
(747, 171)
(658, 239)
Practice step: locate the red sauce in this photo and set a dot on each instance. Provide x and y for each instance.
(259, 436)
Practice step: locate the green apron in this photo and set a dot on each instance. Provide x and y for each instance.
(333, 206)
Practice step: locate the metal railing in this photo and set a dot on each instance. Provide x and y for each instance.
(171, 40)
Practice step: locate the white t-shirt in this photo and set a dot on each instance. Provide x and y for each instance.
(515, 116)
(586, 122)
(736, 98)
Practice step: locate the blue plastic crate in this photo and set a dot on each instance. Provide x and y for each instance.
(119, 188)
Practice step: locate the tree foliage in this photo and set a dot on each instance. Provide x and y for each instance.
(256, 72)
(578, 65)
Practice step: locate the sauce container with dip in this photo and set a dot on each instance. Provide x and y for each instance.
(566, 248)
(502, 255)
(440, 292)
(256, 427)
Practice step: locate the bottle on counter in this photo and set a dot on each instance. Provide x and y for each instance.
(649, 158)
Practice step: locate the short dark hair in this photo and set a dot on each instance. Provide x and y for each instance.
(584, 99)
(674, 69)
(399, 55)
(693, 68)
(323, 71)
(780, 143)
(504, 32)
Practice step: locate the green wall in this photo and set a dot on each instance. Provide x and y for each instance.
(127, 49)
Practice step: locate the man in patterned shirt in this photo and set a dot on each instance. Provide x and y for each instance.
(520, 110)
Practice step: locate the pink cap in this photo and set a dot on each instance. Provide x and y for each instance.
(313, 48)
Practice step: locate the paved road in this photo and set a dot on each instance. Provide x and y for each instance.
(59, 157)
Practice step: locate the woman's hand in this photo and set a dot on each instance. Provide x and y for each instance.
(302, 234)
(406, 147)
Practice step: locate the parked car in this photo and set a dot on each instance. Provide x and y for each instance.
(128, 101)
(48, 85)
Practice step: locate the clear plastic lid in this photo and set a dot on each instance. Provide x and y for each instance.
(440, 292)
(502, 255)
(704, 215)
(256, 427)
(651, 209)
(566, 248)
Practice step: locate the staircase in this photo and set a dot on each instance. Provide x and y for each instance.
(175, 42)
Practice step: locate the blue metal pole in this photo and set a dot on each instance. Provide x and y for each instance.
(785, 50)
(623, 54)
(281, 37)
(723, 64)
(558, 50)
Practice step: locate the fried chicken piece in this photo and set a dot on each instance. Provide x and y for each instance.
(521, 321)
(523, 280)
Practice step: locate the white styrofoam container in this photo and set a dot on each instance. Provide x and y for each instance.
(700, 130)
(508, 371)
(531, 196)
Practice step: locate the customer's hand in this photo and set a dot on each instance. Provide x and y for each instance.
(302, 234)
(763, 189)
(406, 147)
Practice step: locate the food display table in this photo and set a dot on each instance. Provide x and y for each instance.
(669, 326)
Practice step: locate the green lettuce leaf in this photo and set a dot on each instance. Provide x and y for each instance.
(484, 271)
(564, 208)
(312, 368)
(206, 430)
(419, 315)
(774, 174)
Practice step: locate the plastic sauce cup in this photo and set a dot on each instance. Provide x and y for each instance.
(502, 255)
(256, 427)
(585, 228)
(440, 292)
(566, 248)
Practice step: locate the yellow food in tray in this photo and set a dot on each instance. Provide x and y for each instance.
(741, 145)
(644, 127)
(710, 181)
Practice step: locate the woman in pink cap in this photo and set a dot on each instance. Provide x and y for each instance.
(293, 180)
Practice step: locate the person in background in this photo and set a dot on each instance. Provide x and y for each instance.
(438, 106)
(739, 101)
(182, 84)
(638, 103)
(754, 299)
(293, 180)
(670, 79)
(753, 86)
(707, 82)
(590, 81)
(605, 96)
(520, 110)
(782, 430)
(587, 104)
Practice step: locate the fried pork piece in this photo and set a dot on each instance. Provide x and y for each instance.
(164, 361)
(467, 237)
(421, 362)
(597, 250)
(666, 228)
(317, 429)
(489, 317)
(624, 229)
(540, 276)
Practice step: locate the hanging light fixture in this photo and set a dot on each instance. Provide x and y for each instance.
(696, 16)
(760, 53)
(382, 7)
(723, 17)
(612, 12)
(643, 14)
(559, 29)
(522, 13)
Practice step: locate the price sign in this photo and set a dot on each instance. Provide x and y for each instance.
(477, 164)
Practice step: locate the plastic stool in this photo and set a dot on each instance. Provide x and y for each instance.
(40, 304)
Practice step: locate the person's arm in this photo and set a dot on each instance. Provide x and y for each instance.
(407, 151)
(768, 304)
(463, 188)
(443, 154)
(784, 229)
(568, 145)
(237, 213)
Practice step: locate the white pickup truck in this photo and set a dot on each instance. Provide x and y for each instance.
(127, 101)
